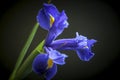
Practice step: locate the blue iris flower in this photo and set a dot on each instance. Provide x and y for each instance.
(80, 44)
(52, 20)
(55, 22)
(45, 64)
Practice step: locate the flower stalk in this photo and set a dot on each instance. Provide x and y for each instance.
(23, 51)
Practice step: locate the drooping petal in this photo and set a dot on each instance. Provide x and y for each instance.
(50, 73)
(85, 54)
(46, 14)
(43, 19)
(56, 56)
(39, 64)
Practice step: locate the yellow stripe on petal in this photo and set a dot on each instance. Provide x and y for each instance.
(51, 20)
(50, 63)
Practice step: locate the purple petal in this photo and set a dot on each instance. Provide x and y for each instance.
(57, 28)
(43, 19)
(50, 73)
(50, 37)
(61, 21)
(84, 54)
(43, 16)
(70, 44)
(80, 38)
(56, 56)
(60, 60)
(51, 9)
(91, 42)
(64, 44)
(39, 64)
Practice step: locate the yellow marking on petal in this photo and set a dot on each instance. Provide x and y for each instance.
(50, 63)
(51, 20)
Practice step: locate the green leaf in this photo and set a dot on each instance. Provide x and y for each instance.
(26, 67)
(23, 51)
(39, 48)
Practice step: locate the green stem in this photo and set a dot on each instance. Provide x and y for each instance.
(23, 51)
(26, 67)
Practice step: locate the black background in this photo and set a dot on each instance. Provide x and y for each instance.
(97, 19)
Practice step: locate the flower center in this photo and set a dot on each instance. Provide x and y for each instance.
(51, 20)
(50, 63)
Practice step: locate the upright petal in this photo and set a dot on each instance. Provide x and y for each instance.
(50, 73)
(56, 56)
(61, 21)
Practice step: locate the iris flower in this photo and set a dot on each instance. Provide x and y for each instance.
(52, 20)
(55, 22)
(80, 44)
(45, 64)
